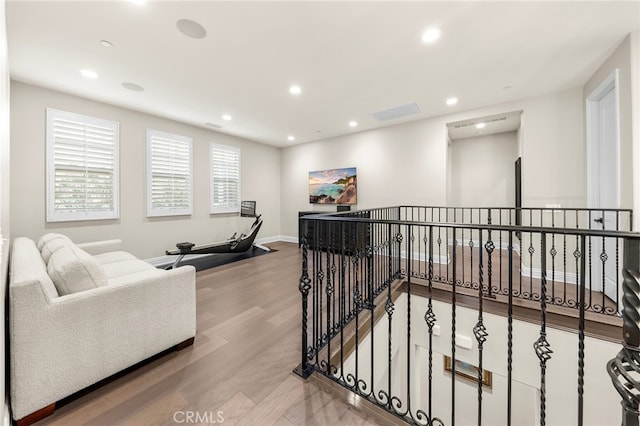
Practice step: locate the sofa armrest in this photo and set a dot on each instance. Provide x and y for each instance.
(62, 345)
(99, 247)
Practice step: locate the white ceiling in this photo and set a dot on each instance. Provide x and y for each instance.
(350, 58)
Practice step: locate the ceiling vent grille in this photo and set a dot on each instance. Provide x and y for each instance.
(487, 120)
(473, 123)
(396, 112)
(215, 126)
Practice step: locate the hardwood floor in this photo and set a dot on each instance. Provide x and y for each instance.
(239, 368)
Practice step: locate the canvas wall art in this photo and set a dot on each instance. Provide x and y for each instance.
(334, 186)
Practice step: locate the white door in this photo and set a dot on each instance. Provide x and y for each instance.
(603, 178)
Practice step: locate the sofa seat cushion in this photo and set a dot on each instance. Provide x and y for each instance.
(72, 270)
(113, 257)
(126, 267)
(136, 277)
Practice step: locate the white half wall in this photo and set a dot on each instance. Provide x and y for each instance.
(142, 236)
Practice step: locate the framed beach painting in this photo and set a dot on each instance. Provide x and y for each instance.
(334, 186)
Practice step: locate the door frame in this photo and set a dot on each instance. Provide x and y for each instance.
(593, 164)
(593, 136)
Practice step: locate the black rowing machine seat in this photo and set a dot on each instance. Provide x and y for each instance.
(185, 247)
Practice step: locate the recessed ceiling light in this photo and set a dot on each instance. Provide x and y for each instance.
(480, 126)
(353, 123)
(106, 43)
(291, 138)
(452, 101)
(431, 35)
(89, 74)
(295, 90)
(133, 86)
(226, 117)
(191, 28)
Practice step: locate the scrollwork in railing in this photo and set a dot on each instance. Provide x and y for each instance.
(624, 369)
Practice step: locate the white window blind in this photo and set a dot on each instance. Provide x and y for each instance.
(225, 179)
(82, 167)
(169, 174)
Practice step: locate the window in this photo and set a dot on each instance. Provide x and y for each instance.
(82, 167)
(169, 174)
(225, 179)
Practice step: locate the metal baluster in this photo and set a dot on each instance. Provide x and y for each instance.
(409, 351)
(541, 346)
(489, 246)
(439, 247)
(510, 331)
(489, 281)
(304, 370)
(624, 369)
(329, 291)
(343, 298)
(314, 277)
(357, 298)
(564, 260)
(582, 307)
(389, 309)
(553, 253)
(480, 333)
(453, 336)
(500, 289)
(430, 319)
(590, 257)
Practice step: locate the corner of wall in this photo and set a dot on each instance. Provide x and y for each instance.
(5, 231)
(635, 123)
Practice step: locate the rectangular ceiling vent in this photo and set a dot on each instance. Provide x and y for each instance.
(215, 126)
(473, 123)
(396, 112)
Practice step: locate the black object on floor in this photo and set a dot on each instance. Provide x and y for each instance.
(206, 261)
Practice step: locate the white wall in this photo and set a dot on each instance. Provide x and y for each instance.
(144, 237)
(407, 163)
(5, 231)
(601, 401)
(483, 170)
(621, 59)
(635, 120)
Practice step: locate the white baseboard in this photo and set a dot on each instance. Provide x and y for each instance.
(276, 238)
(6, 418)
(558, 276)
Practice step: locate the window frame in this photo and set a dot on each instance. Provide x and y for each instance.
(171, 211)
(52, 116)
(226, 208)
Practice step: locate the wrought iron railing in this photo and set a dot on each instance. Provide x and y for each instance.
(382, 288)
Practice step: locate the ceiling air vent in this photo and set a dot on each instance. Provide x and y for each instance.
(473, 123)
(396, 112)
(215, 126)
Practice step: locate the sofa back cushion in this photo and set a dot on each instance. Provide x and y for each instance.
(52, 246)
(49, 243)
(72, 270)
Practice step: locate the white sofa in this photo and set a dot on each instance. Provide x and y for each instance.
(81, 313)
